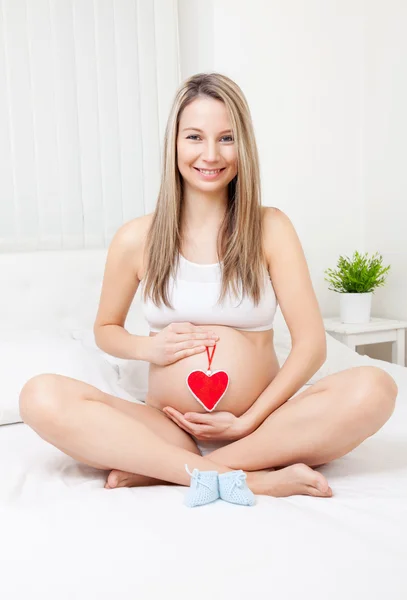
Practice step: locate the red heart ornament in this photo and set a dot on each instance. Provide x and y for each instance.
(208, 389)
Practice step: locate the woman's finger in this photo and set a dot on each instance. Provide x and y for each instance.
(199, 418)
(198, 431)
(169, 410)
(180, 422)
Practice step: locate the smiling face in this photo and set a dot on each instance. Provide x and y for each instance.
(207, 154)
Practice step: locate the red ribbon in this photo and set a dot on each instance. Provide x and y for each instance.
(211, 356)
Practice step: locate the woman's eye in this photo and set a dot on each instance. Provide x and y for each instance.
(228, 138)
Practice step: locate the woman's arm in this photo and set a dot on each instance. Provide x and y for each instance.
(117, 341)
(293, 287)
(120, 284)
(303, 361)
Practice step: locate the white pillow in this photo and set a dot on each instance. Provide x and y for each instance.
(24, 354)
(339, 356)
(132, 374)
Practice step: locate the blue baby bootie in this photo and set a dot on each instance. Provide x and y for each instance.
(204, 487)
(233, 488)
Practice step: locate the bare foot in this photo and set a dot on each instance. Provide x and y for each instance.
(294, 480)
(118, 478)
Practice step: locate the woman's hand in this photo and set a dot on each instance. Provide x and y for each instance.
(220, 425)
(179, 340)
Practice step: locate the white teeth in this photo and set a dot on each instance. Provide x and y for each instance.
(209, 172)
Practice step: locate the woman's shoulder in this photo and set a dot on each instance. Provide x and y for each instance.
(272, 213)
(275, 221)
(130, 239)
(276, 227)
(133, 233)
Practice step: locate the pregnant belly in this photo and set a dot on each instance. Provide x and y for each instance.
(247, 357)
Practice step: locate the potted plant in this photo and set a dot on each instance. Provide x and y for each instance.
(356, 279)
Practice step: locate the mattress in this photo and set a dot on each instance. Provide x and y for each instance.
(63, 536)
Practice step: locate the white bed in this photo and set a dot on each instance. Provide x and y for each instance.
(63, 536)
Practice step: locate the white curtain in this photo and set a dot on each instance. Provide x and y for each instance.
(85, 91)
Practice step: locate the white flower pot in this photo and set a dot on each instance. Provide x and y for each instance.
(355, 308)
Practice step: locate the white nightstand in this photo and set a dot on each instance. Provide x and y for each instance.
(374, 332)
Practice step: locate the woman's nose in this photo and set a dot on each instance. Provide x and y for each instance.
(210, 152)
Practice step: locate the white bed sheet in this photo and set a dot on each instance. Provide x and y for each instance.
(63, 536)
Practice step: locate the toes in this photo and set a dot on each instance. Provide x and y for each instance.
(320, 482)
(312, 491)
(118, 479)
(310, 477)
(322, 485)
(112, 480)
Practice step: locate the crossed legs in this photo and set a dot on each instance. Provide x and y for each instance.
(322, 423)
(314, 427)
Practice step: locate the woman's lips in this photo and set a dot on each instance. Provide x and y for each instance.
(210, 176)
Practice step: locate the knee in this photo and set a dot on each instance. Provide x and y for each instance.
(38, 398)
(378, 391)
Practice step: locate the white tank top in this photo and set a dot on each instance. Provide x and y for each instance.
(194, 295)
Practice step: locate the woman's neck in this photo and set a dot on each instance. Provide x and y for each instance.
(203, 211)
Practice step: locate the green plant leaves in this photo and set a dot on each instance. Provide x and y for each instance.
(359, 274)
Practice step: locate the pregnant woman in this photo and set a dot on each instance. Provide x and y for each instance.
(213, 264)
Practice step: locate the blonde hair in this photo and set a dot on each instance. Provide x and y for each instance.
(239, 242)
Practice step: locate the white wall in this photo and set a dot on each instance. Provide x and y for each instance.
(326, 82)
(385, 155)
(196, 36)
